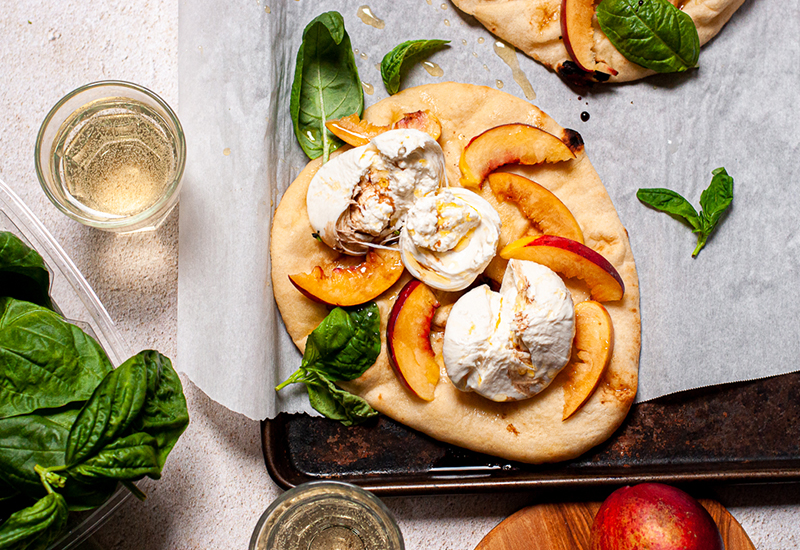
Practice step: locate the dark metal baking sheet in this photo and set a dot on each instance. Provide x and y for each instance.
(742, 432)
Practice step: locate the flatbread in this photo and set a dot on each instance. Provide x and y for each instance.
(534, 27)
(528, 431)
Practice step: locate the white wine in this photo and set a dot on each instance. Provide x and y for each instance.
(327, 516)
(115, 156)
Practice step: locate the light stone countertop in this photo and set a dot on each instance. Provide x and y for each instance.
(215, 485)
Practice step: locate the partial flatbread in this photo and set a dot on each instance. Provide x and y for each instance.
(534, 27)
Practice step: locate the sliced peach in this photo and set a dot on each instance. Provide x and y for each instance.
(408, 339)
(513, 143)
(354, 131)
(425, 121)
(594, 345)
(538, 204)
(337, 284)
(570, 259)
(578, 35)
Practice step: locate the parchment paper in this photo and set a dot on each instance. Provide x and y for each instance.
(730, 314)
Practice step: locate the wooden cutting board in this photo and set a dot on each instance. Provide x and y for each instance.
(567, 527)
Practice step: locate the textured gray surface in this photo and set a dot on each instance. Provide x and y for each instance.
(214, 486)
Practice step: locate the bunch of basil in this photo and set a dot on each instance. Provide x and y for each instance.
(71, 425)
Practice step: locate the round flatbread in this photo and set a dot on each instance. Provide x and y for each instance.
(528, 431)
(534, 27)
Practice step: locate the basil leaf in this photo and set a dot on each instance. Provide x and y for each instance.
(112, 408)
(23, 273)
(396, 60)
(671, 203)
(326, 84)
(26, 441)
(126, 459)
(717, 198)
(714, 201)
(45, 362)
(652, 33)
(34, 528)
(337, 404)
(345, 345)
(164, 415)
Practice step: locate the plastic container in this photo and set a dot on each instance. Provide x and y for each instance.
(77, 302)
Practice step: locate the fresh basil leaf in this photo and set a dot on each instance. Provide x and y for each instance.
(717, 198)
(397, 60)
(31, 440)
(45, 362)
(670, 202)
(164, 414)
(34, 528)
(125, 459)
(651, 33)
(26, 441)
(23, 273)
(346, 343)
(112, 409)
(326, 84)
(714, 201)
(337, 404)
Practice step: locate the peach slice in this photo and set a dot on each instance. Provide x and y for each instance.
(408, 339)
(578, 35)
(537, 203)
(337, 284)
(356, 132)
(424, 121)
(513, 143)
(571, 259)
(594, 345)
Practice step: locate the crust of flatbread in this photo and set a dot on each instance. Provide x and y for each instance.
(534, 27)
(528, 431)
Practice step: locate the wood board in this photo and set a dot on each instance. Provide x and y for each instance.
(566, 526)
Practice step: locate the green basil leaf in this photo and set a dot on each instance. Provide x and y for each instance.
(26, 441)
(337, 404)
(672, 203)
(126, 459)
(652, 33)
(164, 414)
(716, 199)
(346, 343)
(36, 527)
(398, 59)
(45, 362)
(23, 273)
(112, 409)
(326, 84)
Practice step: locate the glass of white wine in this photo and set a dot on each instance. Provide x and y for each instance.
(111, 155)
(327, 515)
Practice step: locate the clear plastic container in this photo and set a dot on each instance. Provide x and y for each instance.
(77, 302)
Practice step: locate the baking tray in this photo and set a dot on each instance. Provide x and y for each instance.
(78, 303)
(740, 432)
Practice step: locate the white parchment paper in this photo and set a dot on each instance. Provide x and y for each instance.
(731, 314)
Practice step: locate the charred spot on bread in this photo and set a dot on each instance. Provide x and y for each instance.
(573, 140)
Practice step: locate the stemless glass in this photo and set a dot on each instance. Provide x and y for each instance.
(111, 155)
(327, 515)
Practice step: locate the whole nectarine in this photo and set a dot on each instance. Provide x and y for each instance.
(653, 516)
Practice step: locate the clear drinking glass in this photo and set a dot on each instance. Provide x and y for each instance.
(111, 155)
(327, 515)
